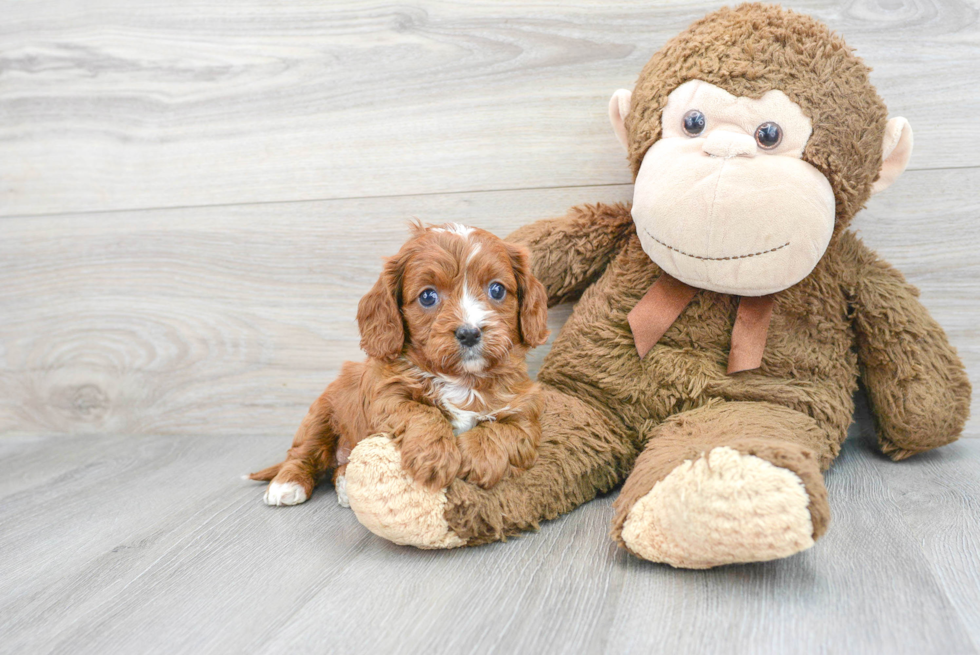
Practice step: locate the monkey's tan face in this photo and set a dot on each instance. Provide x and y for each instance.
(724, 201)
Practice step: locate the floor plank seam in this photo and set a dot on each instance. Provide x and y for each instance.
(871, 450)
(295, 201)
(259, 203)
(180, 545)
(358, 547)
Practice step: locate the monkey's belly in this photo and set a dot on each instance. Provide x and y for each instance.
(808, 364)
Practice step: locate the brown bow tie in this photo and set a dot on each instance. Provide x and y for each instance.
(668, 297)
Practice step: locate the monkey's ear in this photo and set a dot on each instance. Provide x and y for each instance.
(619, 106)
(379, 318)
(895, 154)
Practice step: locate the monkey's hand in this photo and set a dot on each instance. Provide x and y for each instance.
(570, 253)
(917, 385)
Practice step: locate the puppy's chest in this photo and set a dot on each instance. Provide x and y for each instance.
(466, 408)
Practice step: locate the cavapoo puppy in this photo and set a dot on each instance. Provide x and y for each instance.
(446, 329)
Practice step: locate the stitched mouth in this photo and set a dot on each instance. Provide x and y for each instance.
(714, 259)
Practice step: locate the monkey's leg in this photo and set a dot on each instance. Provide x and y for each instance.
(584, 450)
(725, 483)
(311, 456)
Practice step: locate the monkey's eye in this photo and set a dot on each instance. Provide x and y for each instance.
(496, 291)
(768, 135)
(428, 297)
(693, 123)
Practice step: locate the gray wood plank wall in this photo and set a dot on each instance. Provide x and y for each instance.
(193, 196)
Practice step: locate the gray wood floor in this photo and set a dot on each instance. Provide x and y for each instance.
(153, 544)
(193, 197)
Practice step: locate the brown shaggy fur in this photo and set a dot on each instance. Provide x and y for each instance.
(417, 374)
(611, 416)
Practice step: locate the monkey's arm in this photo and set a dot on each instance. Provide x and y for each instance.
(918, 387)
(569, 253)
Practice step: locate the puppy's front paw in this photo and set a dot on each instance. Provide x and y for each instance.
(285, 493)
(484, 464)
(433, 463)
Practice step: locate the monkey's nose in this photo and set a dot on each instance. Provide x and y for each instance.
(721, 143)
(468, 336)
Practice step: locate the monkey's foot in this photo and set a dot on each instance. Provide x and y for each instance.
(722, 508)
(389, 503)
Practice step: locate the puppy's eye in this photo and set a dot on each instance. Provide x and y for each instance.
(428, 297)
(694, 122)
(496, 291)
(768, 135)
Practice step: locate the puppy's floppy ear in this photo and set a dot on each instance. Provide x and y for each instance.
(532, 297)
(379, 318)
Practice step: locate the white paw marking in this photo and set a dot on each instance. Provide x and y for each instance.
(284, 493)
(341, 487)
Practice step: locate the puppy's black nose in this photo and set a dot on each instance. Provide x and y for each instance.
(468, 336)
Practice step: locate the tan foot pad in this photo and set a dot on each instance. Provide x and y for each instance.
(389, 503)
(723, 508)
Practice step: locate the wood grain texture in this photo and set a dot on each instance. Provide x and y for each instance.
(153, 545)
(231, 320)
(193, 197)
(937, 496)
(811, 603)
(110, 105)
(214, 320)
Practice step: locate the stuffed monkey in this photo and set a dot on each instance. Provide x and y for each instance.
(723, 320)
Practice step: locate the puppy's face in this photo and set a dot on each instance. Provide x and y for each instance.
(460, 300)
(464, 299)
